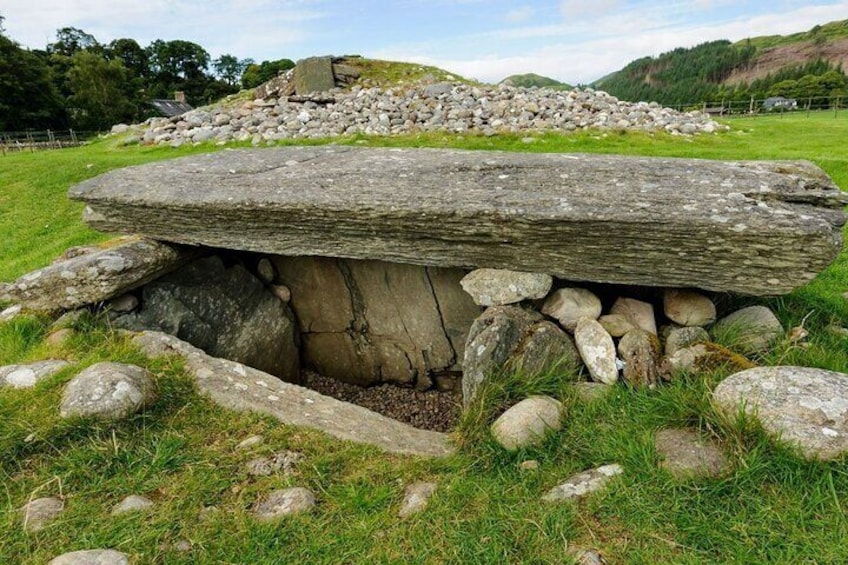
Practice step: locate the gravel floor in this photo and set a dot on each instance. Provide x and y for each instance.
(430, 410)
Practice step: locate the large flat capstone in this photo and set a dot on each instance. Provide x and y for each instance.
(757, 228)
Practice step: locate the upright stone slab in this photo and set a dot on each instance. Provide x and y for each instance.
(314, 74)
(756, 228)
(366, 322)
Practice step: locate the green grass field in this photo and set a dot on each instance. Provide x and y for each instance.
(774, 507)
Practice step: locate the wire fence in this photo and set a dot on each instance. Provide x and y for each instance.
(766, 106)
(16, 141)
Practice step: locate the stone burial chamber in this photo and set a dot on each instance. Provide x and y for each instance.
(421, 267)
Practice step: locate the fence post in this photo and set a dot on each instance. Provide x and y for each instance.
(31, 142)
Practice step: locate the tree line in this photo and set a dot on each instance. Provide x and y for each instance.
(684, 76)
(78, 82)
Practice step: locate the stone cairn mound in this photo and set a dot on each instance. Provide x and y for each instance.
(320, 98)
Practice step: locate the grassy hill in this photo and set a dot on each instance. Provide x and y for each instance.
(529, 80)
(804, 65)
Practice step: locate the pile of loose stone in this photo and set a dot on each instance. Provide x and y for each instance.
(439, 107)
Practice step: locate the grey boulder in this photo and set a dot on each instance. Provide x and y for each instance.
(750, 330)
(92, 557)
(110, 391)
(582, 484)
(226, 311)
(496, 287)
(38, 513)
(527, 422)
(597, 351)
(804, 406)
(284, 502)
(28, 375)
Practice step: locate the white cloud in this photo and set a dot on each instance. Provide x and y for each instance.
(520, 14)
(583, 10)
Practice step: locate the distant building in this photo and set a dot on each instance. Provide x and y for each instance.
(780, 103)
(171, 108)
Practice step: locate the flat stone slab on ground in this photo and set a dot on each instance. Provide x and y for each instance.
(685, 454)
(803, 406)
(284, 502)
(28, 375)
(583, 483)
(40, 512)
(92, 557)
(244, 389)
(415, 498)
(750, 227)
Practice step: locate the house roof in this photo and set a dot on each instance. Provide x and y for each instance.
(170, 108)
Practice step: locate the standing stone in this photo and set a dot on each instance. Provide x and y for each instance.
(494, 337)
(544, 349)
(314, 74)
(226, 311)
(640, 352)
(415, 498)
(584, 483)
(688, 308)
(110, 391)
(640, 313)
(597, 351)
(803, 406)
(132, 503)
(283, 503)
(685, 454)
(527, 422)
(569, 305)
(40, 512)
(92, 557)
(750, 330)
(496, 287)
(678, 338)
(26, 376)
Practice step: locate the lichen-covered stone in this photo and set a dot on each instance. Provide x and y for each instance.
(685, 454)
(496, 287)
(96, 276)
(597, 351)
(804, 406)
(109, 391)
(606, 218)
(640, 352)
(284, 502)
(583, 483)
(28, 375)
(678, 338)
(750, 330)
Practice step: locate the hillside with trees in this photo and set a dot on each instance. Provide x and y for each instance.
(807, 66)
(78, 82)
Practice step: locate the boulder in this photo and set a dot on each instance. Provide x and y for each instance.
(678, 338)
(415, 498)
(110, 391)
(492, 340)
(640, 313)
(703, 357)
(527, 422)
(284, 502)
(92, 557)
(597, 351)
(569, 305)
(545, 348)
(640, 352)
(688, 308)
(750, 330)
(97, 276)
(225, 311)
(804, 406)
(757, 228)
(496, 287)
(26, 376)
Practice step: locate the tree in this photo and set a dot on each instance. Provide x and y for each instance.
(229, 68)
(132, 55)
(69, 40)
(98, 100)
(254, 74)
(28, 97)
(178, 65)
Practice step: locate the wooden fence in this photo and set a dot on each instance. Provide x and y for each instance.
(15, 141)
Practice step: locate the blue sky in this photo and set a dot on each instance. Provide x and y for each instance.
(570, 40)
